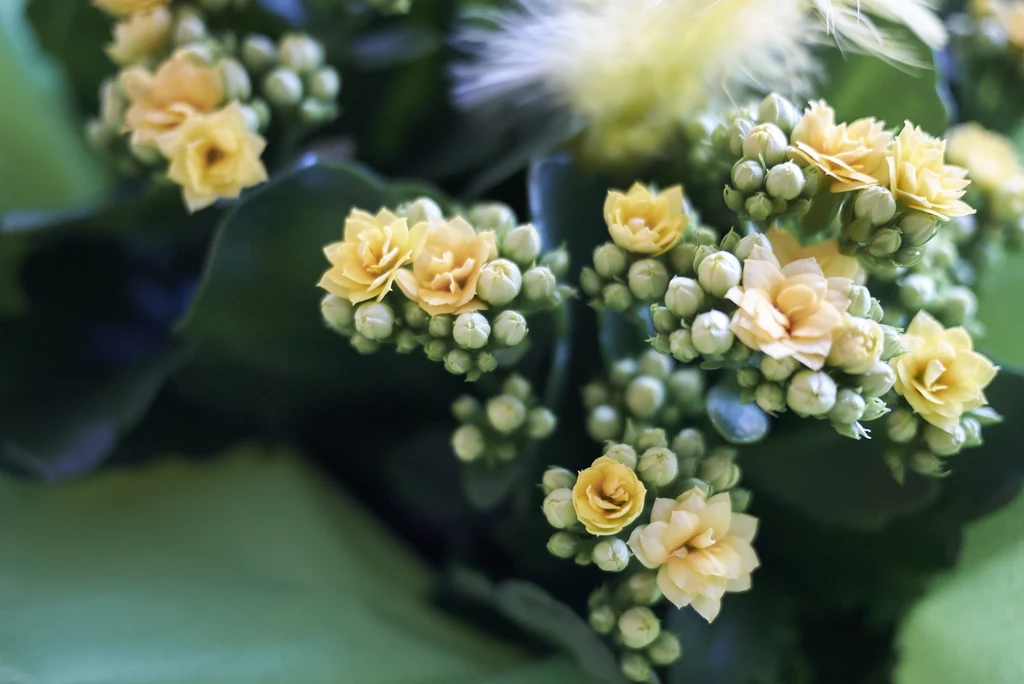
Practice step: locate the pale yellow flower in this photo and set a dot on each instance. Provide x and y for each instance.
(161, 101)
(607, 496)
(857, 345)
(940, 375)
(444, 275)
(643, 222)
(700, 547)
(365, 263)
(788, 249)
(918, 175)
(789, 311)
(121, 8)
(849, 154)
(989, 157)
(214, 155)
(1012, 19)
(141, 36)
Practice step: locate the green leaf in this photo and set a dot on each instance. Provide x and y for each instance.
(487, 486)
(735, 421)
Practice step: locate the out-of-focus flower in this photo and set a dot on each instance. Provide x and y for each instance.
(918, 175)
(607, 496)
(120, 8)
(700, 548)
(850, 154)
(140, 36)
(941, 375)
(1011, 17)
(788, 249)
(990, 158)
(644, 222)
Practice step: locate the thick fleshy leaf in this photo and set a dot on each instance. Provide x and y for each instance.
(736, 422)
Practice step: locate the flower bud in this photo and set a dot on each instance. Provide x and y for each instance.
(906, 257)
(617, 297)
(944, 443)
(440, 325)
(506, 413)
(748, 378)
(338, 313)
(259, 53)
(325, 84)
(540, 423)
(878, 380)
(259, 106)
(468, 443)
(485, 362)
(622, 371)
(563, 545)
(664, 320)
(610, 260)
(926, 463)
(190, 28)
(860, 301)
(748, 175)
(636, 667)
(689, 444)
(237, 85)
(557, 260)
(375, 320)
(876, 204)
(522, 244)
(498, 217)
(884, 242)
(458, 362)
(961, 305)
(471, 330)
(665, 650)
(557, 478)
(499, 282)
(857, 346)
(604, 423)
(406, 342)
(770, 397)
(591, 282)
(901, 426)
(465, 408)
(436, 350)
(917, 228)
(777, 370)
(746, 245)
(282, 87)
(858, 230)
(811, 393)
(655, 365)
(785, 181)
(972, 431)
(539, 284)
(639, 627)
(766, 142)
(300, 53)
(651, 438)
(686, 386)
(719, 470)
(611, 555)
(594, 394)
(740, 499)
(718, 273)
(644, 396)
(681, 257)
(681, 346)
(917, 291)
(710, 333)
(558, 508)
(363, 344)
(758, 206)
(648, 279)
(874, 408)
(849, 407)
(658, 467)
(252, 118)
(313, 112)
(737, 130)
(509, 328)
(622, 453)
(892, 345)
(778, 110)
(684, 297)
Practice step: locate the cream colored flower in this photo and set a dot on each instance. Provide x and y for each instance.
(700, 548)
(918, 175)
(607, 496)
(789, 311)
(365, 263)
(160, 102)
(121, 8)
(788, 249)
(444, 275)
(989, 158)
(214, 155)
(141, 36)
(643, 222)
(1011, 16)
(857, 345)
(941, 375)
(849, 154)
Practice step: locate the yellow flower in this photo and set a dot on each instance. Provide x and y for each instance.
(941, 375)
(788, 249)
(607, 496)
(989, 158)
(857, 346)
(789, 311)
(918, 175)
(160, 102)
(700, 548)
(140, 36)
(214, 155)
(1012, 19)
(444, 275)
(365, 263)
(643, 222)
(120, 8)
(848, 154)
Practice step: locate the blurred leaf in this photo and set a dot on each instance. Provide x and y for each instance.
(487, 486)
(622, 335)
(393, 46)
(736, 422)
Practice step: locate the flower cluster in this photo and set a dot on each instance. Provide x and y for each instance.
(463, 293)
(498, 430)
(184, 105)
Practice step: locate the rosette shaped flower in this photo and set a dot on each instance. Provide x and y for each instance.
(940, 375)
(857, 345)
(788, 249)
(989, 158)
(607, 496)
(364, 265)
(849, 154)
(788, 311)
(162, 101)
(918, 175)
(643, 222)
(214, 155)
(140, 36)
(444, 275)
(700, 547)
(120, 8)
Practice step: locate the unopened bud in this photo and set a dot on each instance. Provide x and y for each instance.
(522, 244)
(190, 28)
(422, 210)
(639, 627)
(499, 282)
(684, 297)
(648, 279)
(465, 408)
(611, 555)
(686, 386)
(860, 301)
(557, 260)
(506, 413)
(655, 365)
(689, 444)
(664, 320)
(540, 423)
(874, 408)
(960, 305)
(539, 284)
(471, 330)
(901, 426)
(811, 393)
(486, 362)
(458, 362)
(558, 508)
(622, 453)
(748, 175)
(665, 650)
(777, 370)
(878, 380)
(734, 198)
(681, 346)
(603, 619)
(645, 396)
(746, 245)
(917, 291)
(972, 431)
(719, 470)
(283, 87)
(237, 85)
(778, 110)
(740, 499)
(884, 242)
(944, 443)
(719, 272)
(876, 204)
(636, 667)
(509, 328)
(563, 545)
(610, 260)
(617, 297)
(849, 407)
(300, 53)
(259, 53)
(926, 463)
(338, 313)
(591, 282)
(857, 346)
(440, 325)
(758, 206)
(622, 371)
(500, 218)
(436, 350)
(406, 342)
(468, 443)
(557, 478)
(313, 112)
(770, 397)
(658, 467)
(325, 84)
(766, 142)
(375, 320)
(711, 334)
(594, 394)
(785, 181)
(748, 378)
(917, 228)
(604, 423)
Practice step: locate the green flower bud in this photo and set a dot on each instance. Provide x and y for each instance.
(777, 370)
(237, 85)
(363, 344)
(961, 305)
(680, 345)
(622, 371)
(406, 342)
(557, 478)
(926, 463)
(558, 508)
(859, 230)
(636, 667)
(506, 413)
(684, 297)
(471, 330)
(282, 87)
(313, 112)
(884, 242)
(777, 110)
(740, 499)
(557, 260)
(610, 260)
(860, 301)
(436, 350)
(665, 650)
(594, 394)
(458, 362)
(522, 244)
(485, 363)
(642, 588)
(770, 397)
(617, 297)
(499, 282)
(876, 204)
(766, 142)
(259, 106)
(664, 320)
(623, 453)
(719, 471)
(517, 386)
(874, 408)
(748, 175)
(734, 198)
(325, 84)
(639, 627)
(906, 257)
(501, 219)
(591, 282)
(648, 279)
(440, 325)
(650, 438)
(466, 408)
(972, 431)
(611, 555)
(917, 291)
(540, 423)
(748, 378)
(758, 206)
(644, 396)
(718, 273)
(944, 443)
(655, 365)
(660, 344)
(746, 245)
(701, 253)
(686, 386)
(738, 129)
(338, 313)
(710, 333)
(190, 28)
(468, 443)
(878, 380)
(603, 619)
(300, 53)
(539, 284)
(563, 545)
(961, 229)
(252, 118)
(375, 320)
(917, 228)
(785, 181)
(259, 53)
(689, 444)
(604, 423)
(849, 407)
(811, 393)
(901, 426)
(891, 346)
(658, 467)
(509, 328)
(681, 257)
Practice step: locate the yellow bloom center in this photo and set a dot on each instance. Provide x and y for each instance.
(643, 222)
(607, 496)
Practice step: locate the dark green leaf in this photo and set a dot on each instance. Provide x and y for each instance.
(487, 486)
(736, 422)
(74, 33)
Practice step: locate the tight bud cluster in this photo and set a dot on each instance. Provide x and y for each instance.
(881, 232)
(292, 77)
(923, 448)
(624, 615)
